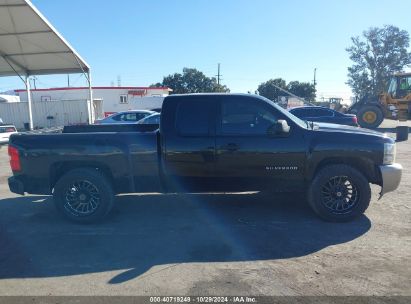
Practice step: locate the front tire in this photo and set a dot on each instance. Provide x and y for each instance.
(83, 195)
(339, 193)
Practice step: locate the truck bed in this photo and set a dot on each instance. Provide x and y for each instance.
(130, 158)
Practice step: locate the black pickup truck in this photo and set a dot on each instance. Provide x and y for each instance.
(207, 142)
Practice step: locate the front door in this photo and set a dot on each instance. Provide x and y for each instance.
(247, 156)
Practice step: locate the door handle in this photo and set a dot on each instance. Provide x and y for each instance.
(231, 147)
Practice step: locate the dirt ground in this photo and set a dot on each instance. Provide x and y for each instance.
(239, 244)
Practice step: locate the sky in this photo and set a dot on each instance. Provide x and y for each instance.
(141, 41)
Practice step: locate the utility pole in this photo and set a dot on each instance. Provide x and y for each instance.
(34, 82)
(29, 101)
(68, 80)
(218, 75)
(315, 78)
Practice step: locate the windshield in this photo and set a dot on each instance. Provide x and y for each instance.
(298, 121)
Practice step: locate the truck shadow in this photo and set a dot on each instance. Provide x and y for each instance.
(149, 230)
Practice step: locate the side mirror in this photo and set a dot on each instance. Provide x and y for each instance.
(281, 127)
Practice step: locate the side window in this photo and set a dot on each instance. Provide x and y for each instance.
(301, 113)
(193, 118)
(311, 113)
(7, 129)
(117, 117)
(245, 117)
(407, 84)
(125, 117)
(130, 117)
(324, 113)
(140, 116)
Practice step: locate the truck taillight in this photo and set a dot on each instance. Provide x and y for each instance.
(14, 159)
(355, 120)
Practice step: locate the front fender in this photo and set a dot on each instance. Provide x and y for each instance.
(363, 158)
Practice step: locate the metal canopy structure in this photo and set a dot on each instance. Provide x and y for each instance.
(30, 45)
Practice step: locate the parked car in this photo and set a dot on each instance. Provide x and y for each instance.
(207, 142)
(5, 132)
(153, 119)
(322, 114)
(131, 116)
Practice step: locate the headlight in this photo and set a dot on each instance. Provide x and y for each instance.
(389, 153)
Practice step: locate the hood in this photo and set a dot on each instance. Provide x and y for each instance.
(328, 127)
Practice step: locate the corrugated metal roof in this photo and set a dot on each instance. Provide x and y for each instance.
(30, 45)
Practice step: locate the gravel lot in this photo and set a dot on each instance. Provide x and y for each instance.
(239, 244)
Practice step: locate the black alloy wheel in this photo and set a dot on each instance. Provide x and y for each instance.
(82, 197)
(339, 194)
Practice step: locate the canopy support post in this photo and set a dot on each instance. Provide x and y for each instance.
(27, 81)
(87, 74)
(90, 92)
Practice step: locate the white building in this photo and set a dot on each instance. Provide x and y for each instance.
(113, 99)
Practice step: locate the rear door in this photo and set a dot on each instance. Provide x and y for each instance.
(188, 133)
(247, 157)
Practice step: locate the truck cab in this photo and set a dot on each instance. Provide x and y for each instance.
(232, 142)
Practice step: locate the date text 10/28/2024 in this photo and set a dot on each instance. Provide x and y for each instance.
(233, 299)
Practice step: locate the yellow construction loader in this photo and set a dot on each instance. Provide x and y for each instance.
(395, 103)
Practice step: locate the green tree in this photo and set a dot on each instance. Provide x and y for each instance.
(269, 89)
(304, 90)
(156, 85)
(377, 55)
(191, 81)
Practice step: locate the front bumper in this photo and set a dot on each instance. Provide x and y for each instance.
(16, 186)
(390, 178)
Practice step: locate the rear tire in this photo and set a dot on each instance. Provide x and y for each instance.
(83, 195)
(339, 193)
(370, 117)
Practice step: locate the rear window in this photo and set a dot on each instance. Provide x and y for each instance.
(193, 118)
(7, 129)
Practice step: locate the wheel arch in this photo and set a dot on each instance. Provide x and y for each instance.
(364, 165)
(57, 170)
